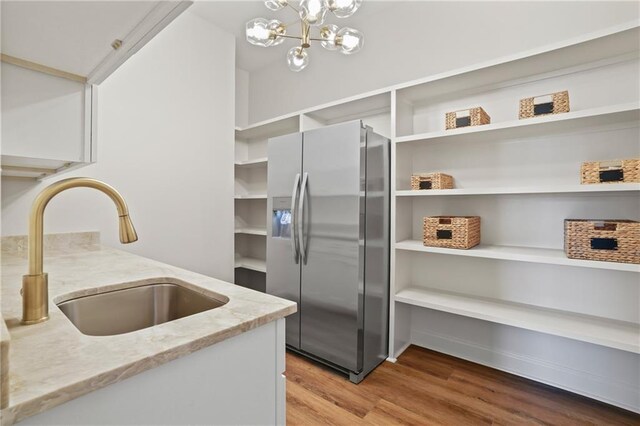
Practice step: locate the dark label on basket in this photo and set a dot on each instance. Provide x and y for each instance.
(463, 121)
(612, 175)
(604, 244)
(443, 234)
(545, 108)
(425, 184)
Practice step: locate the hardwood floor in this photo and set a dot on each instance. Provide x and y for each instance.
(429, 388)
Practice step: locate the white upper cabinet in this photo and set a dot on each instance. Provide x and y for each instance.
(54, 54)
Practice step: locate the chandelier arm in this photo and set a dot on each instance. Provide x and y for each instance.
(289, 5)
(290, 36)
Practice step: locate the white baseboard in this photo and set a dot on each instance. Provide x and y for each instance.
(580, 382)
(399, 352)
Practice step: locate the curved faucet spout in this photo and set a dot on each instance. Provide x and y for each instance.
(35, 307)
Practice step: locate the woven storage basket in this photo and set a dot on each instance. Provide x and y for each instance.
(466, 117)
(460, 232)
(607, 240)
(558, 103)
(626, 171)
(431, 181)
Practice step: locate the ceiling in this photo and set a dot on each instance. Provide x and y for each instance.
(72, 36)
(232, 16)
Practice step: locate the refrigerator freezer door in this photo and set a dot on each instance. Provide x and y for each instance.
(283, 266)
(376, 296)
(332, 276)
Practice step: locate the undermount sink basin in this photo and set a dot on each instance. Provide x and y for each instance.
(134, 308)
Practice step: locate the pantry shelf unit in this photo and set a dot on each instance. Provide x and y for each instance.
(251, 197)
(418, 103)
(520, 254)
(251, 231)
(258, 265)
(509, 130)
(256, 162)
(600, 331)
(251, 162)
(543, 189)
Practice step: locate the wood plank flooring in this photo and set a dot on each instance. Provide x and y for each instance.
(429, 388)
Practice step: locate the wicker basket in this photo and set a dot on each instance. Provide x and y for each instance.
(431, 181)
(460, 232)
(626, 171)
(607, 240)
(552, 103)
(466, 117)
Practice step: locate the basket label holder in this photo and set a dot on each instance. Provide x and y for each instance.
(426, 184)
(463, 118)
(611, 171)
(543, 105)
(444, 234)
(604, 243)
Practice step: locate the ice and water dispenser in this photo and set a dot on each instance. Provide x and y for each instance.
(281, 218)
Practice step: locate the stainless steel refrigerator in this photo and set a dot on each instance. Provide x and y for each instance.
(328, 243)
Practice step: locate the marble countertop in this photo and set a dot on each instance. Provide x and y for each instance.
(52, 362)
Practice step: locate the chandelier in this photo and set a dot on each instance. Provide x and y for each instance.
(312, 13)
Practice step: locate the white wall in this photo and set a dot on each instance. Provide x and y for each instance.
(412, 40)
(166, 139)
(242, 97)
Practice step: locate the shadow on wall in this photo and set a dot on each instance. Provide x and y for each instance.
(14, 189)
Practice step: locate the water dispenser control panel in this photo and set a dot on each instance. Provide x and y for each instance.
(281, 218)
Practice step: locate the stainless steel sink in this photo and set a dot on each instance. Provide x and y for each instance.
(135, 308)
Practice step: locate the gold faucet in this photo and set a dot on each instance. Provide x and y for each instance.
(35, 293)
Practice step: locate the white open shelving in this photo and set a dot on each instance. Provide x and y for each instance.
(541, 189)
(518, 254)
(259, 265)
(251, 231)
(509, 130)
(601, 331)
(251, 197)
(253, 162)
(522, 177)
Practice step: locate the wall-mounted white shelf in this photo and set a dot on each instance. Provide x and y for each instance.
(520, 254)
(258, 265)
(353, 109)
(543, 189)
(256, 162)
(251, 197)
(600, 331)
(251, 231)
(269, 128)
(529, 127)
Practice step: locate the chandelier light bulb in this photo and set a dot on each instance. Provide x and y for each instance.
(328, 35)
(343, 8)
(349, 40)
(297, 59)
(276, 29)
(313, 11)
(276, 4)
(258, 32)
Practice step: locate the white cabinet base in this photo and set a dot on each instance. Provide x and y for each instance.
(237, 381)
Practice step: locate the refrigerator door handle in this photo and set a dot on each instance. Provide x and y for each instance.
(294, 236)
(303, 191)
